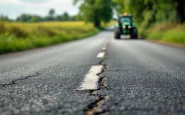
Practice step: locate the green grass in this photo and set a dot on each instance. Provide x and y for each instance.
(166, 32)
(23, 36)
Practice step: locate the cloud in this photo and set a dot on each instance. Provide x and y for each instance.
(35, 1)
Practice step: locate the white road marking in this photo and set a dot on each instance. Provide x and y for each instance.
(91, 79)
(101, 55)
(104, 48)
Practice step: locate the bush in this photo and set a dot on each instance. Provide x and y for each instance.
(172, 33)
(18, 32)
(41, 34)
(44, 31)
(3, 29)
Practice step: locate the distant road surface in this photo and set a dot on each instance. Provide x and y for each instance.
(97, 75)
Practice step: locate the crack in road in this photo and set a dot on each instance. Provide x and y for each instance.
(23, 78)
(94, 108)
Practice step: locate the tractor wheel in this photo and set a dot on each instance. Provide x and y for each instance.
(134, 34)
(117, 33)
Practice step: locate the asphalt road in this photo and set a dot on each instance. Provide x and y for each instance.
(138, 78)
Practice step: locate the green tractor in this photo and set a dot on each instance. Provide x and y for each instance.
(125, 26)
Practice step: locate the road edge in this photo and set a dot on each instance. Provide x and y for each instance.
(167, 43)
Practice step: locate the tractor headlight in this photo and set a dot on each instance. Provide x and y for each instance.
(124, 27)
(129, 27)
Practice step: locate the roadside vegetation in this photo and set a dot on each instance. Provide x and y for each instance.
(18, 36)
(160, 20)
(166, 32)
(32, 31)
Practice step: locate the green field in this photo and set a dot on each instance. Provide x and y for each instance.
(166, 32)
(16, 36)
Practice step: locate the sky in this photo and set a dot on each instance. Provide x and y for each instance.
(13, 8)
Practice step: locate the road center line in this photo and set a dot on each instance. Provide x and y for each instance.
(91, 79)
(101, 55)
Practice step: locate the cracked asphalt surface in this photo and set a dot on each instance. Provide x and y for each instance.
(141, 78)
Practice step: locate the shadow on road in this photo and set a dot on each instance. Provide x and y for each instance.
(128, 38)
(109, 30)
(123, 37)
(131, 39)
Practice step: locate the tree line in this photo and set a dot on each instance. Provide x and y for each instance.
(36, 18)
(147, 12)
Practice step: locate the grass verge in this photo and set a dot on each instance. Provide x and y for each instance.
(166, 32)
(23, 36)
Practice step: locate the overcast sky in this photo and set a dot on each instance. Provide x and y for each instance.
(13, 8)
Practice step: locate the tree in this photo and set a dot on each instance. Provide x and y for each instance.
(72, 18)
(179, 10)
(65, 16)
(48, 18)
(4, 18)
(28, 18)
(35, 19)
(147, 11)
(58, 18)
(24, 18)
(51, 12)
(96, 11)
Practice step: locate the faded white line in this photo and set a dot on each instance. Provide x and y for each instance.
(101, 55)
(91, 79)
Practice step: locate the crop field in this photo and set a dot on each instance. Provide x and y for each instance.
(15, 36)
